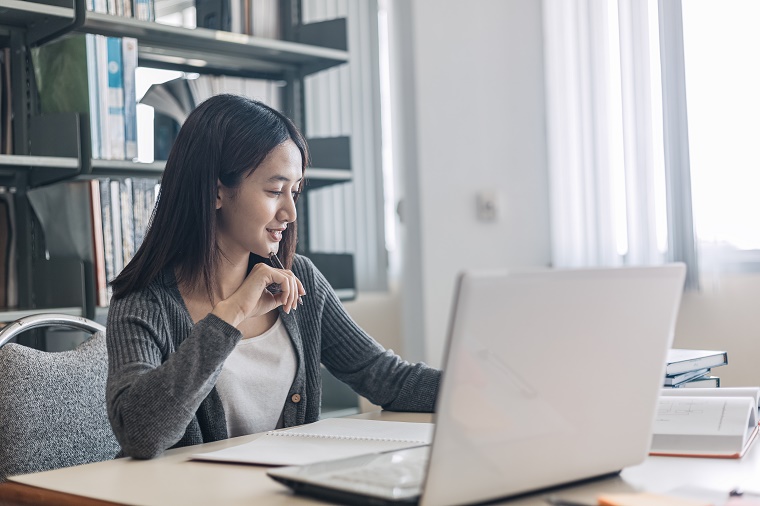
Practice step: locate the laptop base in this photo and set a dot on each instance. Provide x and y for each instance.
(339, 496)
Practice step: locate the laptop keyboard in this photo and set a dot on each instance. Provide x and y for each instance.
(402, 475)
(394, 474)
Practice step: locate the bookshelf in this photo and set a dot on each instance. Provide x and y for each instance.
(307, 49)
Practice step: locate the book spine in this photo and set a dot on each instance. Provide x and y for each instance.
(96, 215)
(247, 18)
(118, 250)
(7, 116)
(236, 16)
(5, 236)
(115, 99)
(138, 201)
(2, 101)
(101, 57)
(129, 55)
(107, 223)
(93, 94)
(127, 220)
(143, 191)
(143, 10)
(11, 297)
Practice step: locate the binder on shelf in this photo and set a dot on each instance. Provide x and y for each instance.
(213, 14)
(66, 75)
(6, 116)
(338, 269)
(84, 73)
(8, 281)
(330, 152)
(59, 282)
(59, 135)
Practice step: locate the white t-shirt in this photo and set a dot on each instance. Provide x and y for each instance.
(255, 381)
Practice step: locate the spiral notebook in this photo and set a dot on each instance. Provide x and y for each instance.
(329, 439)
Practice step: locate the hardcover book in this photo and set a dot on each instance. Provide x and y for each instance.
(671, 381)
(711, 422)
(682, 360)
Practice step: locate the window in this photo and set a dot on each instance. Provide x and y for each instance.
(653, 111)
(722, 77)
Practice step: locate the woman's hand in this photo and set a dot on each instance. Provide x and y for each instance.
(253, 299)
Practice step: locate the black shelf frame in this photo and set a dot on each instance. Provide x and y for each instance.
(308, 48)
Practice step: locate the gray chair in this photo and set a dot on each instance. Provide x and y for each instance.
(52, 405)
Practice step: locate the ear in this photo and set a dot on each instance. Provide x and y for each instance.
(219, 192)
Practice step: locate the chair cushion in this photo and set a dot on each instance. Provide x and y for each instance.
(53, 408)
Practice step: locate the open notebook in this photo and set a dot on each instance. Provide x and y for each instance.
(333, 438)
(706, 422)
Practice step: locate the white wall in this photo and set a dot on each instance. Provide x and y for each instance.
(467, 84)
(468, 90)
(725, 315)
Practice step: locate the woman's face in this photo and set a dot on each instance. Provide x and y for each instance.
(252, 218)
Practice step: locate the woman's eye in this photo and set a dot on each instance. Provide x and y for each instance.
(277, 193)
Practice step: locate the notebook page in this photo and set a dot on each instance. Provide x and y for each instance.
(367, 429)
(703, 415)
(329, 439)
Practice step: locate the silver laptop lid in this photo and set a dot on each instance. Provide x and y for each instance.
(550, 377)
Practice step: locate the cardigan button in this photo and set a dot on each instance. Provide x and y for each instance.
(296, 398)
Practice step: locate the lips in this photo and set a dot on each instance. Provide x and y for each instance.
(276, 233)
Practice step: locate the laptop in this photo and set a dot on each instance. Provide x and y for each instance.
(551, 377)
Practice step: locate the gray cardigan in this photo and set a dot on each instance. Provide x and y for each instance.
(163, 368)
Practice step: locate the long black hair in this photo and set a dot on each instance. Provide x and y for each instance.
(224, 139)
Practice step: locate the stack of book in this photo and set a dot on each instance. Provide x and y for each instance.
(692, 368)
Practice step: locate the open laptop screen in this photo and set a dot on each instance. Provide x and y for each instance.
(550, 377)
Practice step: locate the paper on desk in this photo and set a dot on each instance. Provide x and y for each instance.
(647, 499)
(329, 439)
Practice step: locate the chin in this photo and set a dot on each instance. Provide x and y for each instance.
(266, 250)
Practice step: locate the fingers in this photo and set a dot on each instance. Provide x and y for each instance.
(291, 289)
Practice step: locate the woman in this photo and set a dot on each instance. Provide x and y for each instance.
(201, 347)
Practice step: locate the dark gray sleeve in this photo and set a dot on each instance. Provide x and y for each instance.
(361, 362)
(152, 397)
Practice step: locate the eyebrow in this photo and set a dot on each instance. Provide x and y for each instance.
(283, 178)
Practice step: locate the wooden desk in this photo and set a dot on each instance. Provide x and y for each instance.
(175, 479)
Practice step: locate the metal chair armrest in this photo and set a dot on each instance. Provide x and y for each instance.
(47, 320)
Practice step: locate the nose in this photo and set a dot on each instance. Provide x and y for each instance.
(287, 212)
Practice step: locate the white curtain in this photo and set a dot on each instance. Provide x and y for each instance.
(607, 157)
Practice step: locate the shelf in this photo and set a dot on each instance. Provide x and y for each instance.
(30, 162)
(318, 178)
(10, 315)
(25, 14)
(167, 46)
(126, 168)
(215, 50)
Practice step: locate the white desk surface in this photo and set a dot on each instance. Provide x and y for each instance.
(175, 479)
